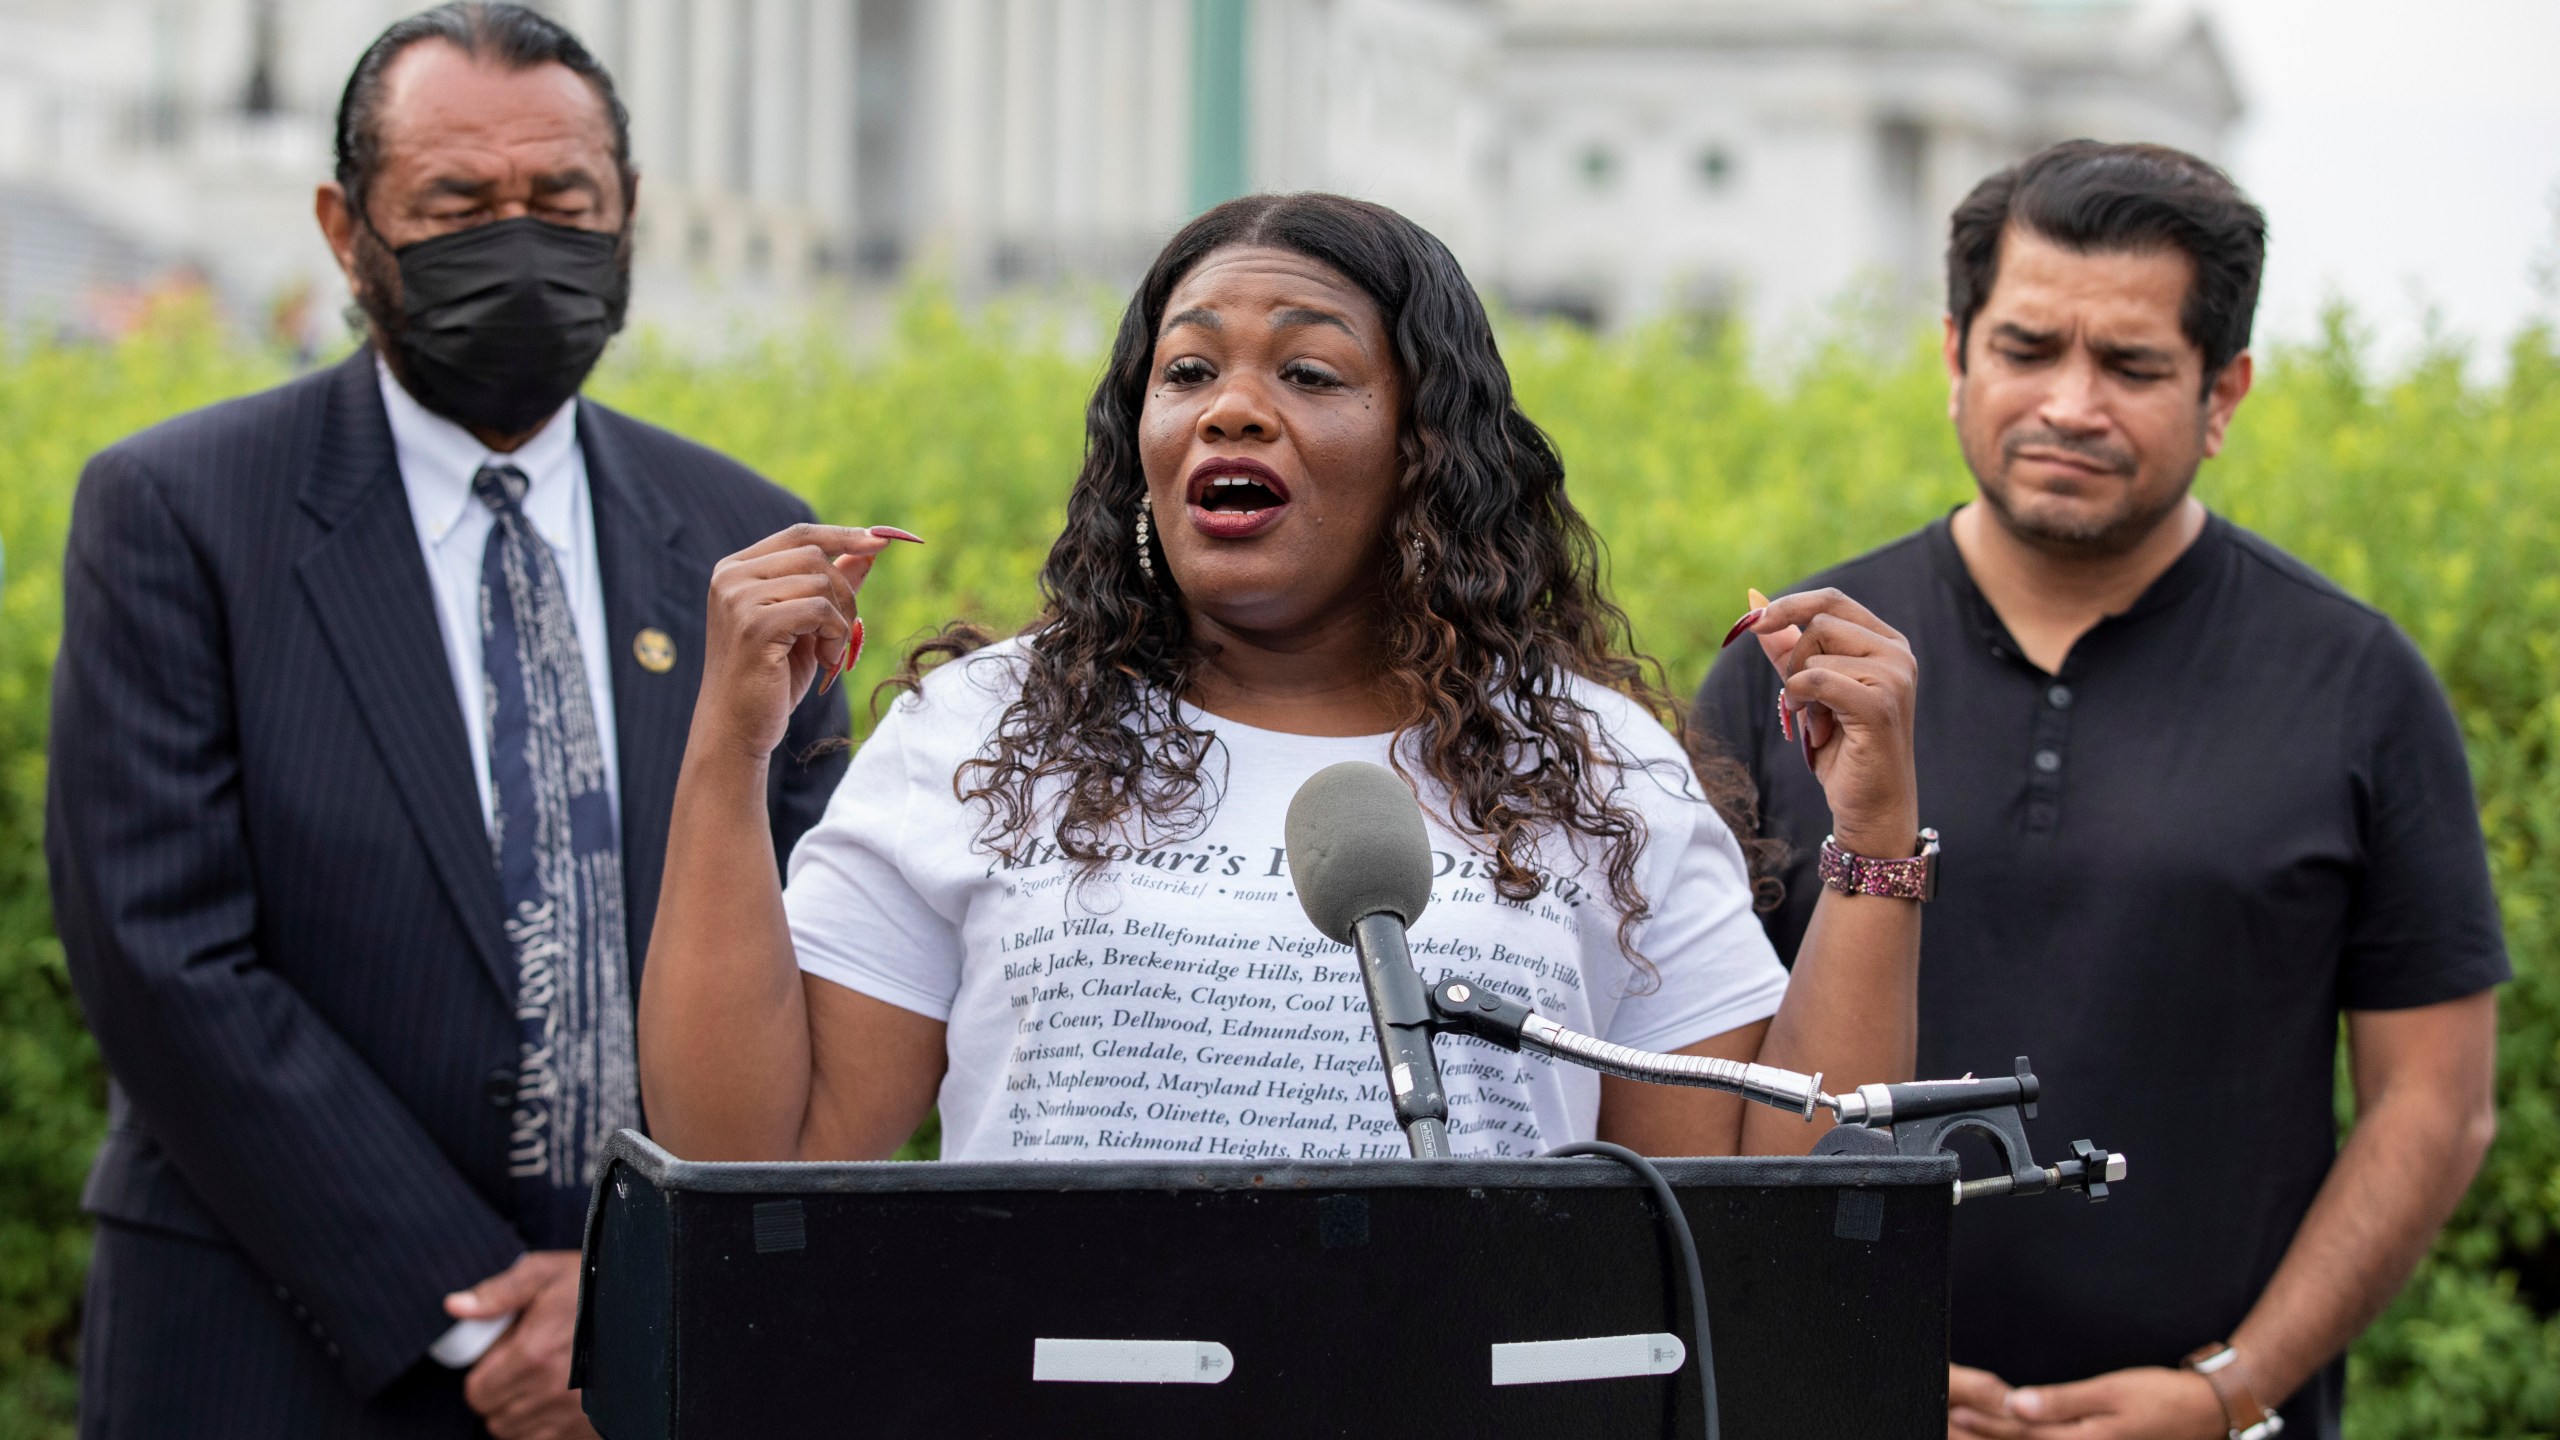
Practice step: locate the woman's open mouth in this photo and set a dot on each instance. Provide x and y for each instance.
(1229, 497)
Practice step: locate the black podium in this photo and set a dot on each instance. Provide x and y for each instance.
(1336, 1298)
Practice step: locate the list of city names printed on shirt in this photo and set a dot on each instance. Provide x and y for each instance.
(1254, 1042)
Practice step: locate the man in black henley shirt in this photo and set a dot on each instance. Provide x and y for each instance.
(2195, 802)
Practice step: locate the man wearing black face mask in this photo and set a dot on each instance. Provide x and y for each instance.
(371, 698)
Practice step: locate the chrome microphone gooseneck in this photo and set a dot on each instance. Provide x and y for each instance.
(1913, 1118)
(1783, 1089)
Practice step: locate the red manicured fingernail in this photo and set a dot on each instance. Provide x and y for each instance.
(1804, 740)
(852, 652)
(1749, 619)
(1786, 729)
(894, 533)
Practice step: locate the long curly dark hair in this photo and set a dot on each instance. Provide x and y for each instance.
(1491, 596)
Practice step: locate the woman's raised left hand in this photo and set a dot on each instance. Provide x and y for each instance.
(1850, 686)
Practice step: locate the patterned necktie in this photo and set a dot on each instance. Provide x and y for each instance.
(559, 871)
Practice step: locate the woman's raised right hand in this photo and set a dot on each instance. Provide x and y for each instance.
(781, 614)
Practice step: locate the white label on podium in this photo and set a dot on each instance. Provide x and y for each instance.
(1600, 1357)
(1132, 1362)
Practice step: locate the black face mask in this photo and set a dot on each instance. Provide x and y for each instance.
(503, 321)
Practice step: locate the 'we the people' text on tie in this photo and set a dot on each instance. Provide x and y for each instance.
(559, 872)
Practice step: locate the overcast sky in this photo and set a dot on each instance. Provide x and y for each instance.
(2407, 155)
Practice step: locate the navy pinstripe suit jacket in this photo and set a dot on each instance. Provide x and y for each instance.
(270, 872)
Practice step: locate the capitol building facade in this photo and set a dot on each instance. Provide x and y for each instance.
(1607, 160)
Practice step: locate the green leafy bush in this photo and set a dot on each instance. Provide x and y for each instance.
(2436, 498)
(56, 408)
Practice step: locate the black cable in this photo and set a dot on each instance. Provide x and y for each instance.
(1676, 1220)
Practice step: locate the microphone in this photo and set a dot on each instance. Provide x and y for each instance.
(1362, 866)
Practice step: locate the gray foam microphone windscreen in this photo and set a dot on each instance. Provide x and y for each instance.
(1357, 847)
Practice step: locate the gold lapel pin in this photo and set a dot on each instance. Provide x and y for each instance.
(655, 649)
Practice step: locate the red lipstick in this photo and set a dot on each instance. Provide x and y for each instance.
(1229, 497)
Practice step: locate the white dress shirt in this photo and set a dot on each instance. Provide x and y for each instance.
(437, 460)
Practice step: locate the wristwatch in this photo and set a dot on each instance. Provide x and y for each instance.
(2219, 1364)
(1914, 877)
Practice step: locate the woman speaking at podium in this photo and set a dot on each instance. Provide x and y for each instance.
(1051, 895)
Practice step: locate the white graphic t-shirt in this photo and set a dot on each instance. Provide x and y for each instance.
(1177, 1003)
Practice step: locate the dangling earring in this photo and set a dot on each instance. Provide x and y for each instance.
(1420, 569)
(1146, 562)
